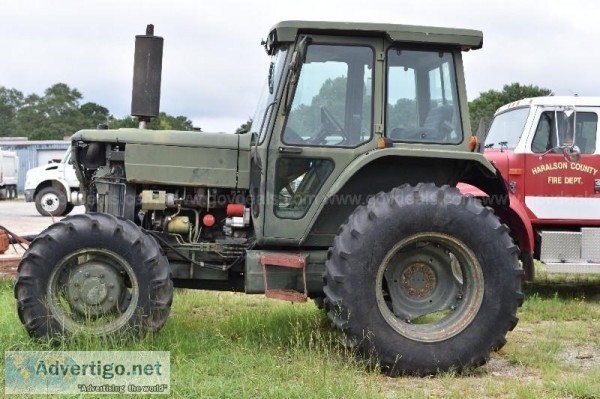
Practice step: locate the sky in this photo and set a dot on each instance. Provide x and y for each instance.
(214, 66)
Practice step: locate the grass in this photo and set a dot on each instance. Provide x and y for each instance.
(230, 345)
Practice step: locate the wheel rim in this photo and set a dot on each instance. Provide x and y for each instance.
(429, 287)
(50, 202)
(93, 290)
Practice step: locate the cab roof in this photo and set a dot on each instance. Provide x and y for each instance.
(551, 101)
(465, 39)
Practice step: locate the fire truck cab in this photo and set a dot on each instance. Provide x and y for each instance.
(547, 150)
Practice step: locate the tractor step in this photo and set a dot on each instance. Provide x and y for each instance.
(293, 261)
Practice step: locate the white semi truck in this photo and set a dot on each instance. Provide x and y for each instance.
(54, 187)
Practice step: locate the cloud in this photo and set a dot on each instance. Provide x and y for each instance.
(214, 66)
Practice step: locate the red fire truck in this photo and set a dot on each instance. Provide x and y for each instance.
(546, 148)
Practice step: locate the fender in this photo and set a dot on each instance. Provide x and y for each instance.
(516, 217)
(519, 216)
(415, 165)
(60, 183)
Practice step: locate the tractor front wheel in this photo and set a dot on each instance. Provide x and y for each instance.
(93, 274)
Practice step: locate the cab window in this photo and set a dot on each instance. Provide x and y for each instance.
(546, 137)
(332, 103)
(266, 102)
(422, 100)
(297, 184)
(507, 128)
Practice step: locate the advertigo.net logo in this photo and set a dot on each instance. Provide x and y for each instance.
(91, 372)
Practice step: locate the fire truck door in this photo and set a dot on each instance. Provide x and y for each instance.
(556, 189)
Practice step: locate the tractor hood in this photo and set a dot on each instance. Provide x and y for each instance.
(179, 157)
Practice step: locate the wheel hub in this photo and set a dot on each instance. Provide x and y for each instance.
(418, 280)
(94, 288)
(430, 287)
(49, 202)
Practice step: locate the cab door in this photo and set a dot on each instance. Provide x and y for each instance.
(556, 189)
(326, 119)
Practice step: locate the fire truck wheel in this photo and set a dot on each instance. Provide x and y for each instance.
(93, 274)
(424, 280)
(528, 266)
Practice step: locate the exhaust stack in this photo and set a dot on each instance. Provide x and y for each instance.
(147, 69)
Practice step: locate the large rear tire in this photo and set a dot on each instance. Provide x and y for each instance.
(93, 274)
(424, 280)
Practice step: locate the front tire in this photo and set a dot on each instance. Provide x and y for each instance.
(51, 201)
(93, 274)
(423, 280)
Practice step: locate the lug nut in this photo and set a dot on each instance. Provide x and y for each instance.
(87, 274)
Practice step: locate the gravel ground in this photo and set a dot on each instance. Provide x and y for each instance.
(22, 218)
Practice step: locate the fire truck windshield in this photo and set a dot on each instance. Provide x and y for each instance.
(506, 129)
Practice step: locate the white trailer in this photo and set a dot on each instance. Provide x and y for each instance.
(9, 174)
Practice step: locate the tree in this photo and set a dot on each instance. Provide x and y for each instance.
(58, 113)
(94, 114)
(403, 114)
(245, 127)
(11, 101)
(484, 107)
(53, 116)
(162, 122)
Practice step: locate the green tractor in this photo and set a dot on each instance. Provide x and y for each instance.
(342, 191)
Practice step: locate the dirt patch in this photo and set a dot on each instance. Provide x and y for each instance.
(583, 357)
(498, 366)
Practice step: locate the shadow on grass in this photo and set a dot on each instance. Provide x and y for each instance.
(587, 291)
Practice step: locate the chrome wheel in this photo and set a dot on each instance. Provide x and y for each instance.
(50, 203)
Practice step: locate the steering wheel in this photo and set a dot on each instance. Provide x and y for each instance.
(329, 125)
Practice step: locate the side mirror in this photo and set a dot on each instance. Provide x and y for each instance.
(565, 125)
(572, 153)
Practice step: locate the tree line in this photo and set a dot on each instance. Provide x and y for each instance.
(482, 109)
(59, 113)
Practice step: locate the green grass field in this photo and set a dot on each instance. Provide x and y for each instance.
(226, 345)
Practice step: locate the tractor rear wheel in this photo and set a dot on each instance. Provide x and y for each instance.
(93, 274)
(424, 280)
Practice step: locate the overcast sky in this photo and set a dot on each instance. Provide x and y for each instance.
(214, 66)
